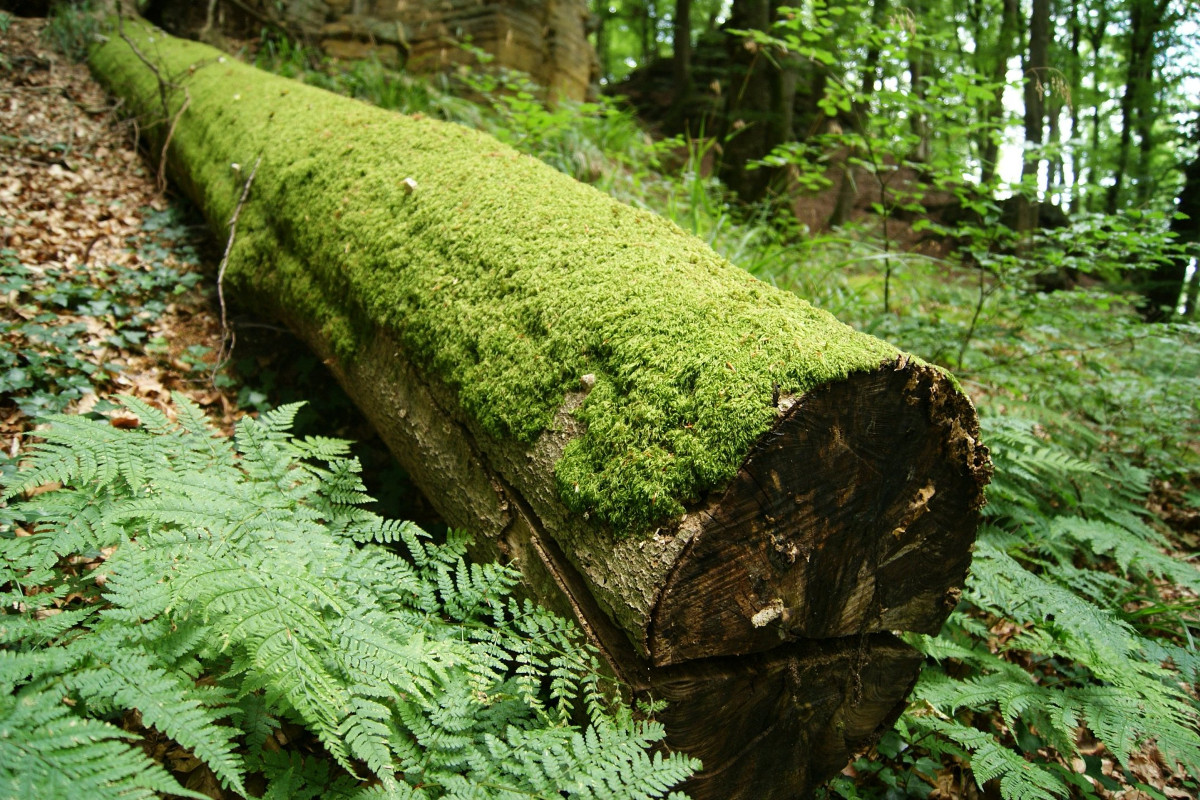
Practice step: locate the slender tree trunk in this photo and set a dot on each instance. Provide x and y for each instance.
(602, 44)
(1036, 68)
(1075, 82)
(681, 67)
(994, 115)
(1095, 38)
(681, 61)
(919, 67)
(1166, 283)
(646, 29)
(1137, 102)
(870, 69)
(747, 129)
(1147, 114)
(1055, 173)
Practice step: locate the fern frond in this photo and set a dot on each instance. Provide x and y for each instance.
(1133, 553)
(131, 680)
(989, 759)
(46, 751)
(237, 595)
(75, 450)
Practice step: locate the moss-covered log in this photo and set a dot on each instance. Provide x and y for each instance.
(736, 495)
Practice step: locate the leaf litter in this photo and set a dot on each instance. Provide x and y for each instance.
(103, 290)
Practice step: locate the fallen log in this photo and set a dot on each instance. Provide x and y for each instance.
(738, 497)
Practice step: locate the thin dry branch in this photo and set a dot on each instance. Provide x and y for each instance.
(161, 178)
(228, 338)
(165, 85)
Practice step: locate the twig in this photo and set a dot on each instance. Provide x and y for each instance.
(87, 254)
(208, 20)
(164, 84)
(43, 162)
(227, 336)
(51, 89)
(161, 179)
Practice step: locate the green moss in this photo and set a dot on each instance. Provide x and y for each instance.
(509, 280)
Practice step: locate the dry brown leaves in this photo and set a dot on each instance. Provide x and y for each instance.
(74, 195)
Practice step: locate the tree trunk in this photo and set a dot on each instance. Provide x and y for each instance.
(1165, 285)
(920, 65)
(1137, 101)
(737, 497)
(682, 91)
(1075, 82)
(870, 68)
(681, 60)
(602, 46)
(747, 125)
(994, 113)
(1036, 70)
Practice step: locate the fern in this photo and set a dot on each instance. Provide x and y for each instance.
(47, 751)
(234, 586)
(1066, 547)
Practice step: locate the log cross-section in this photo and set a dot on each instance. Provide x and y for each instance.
(740, 499)
(847, 518)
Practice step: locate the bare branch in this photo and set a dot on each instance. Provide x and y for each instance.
(227, 336)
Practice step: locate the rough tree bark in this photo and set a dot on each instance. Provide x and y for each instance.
(739, 498)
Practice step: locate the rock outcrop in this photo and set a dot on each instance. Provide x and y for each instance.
(546, 39)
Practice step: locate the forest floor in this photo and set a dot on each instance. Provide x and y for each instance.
(109, 290)
(83, 213)
(102, 277)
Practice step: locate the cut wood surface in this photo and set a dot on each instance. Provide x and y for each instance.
(737, 496)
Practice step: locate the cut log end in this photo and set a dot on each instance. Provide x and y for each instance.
(794, 716)
(856, 513)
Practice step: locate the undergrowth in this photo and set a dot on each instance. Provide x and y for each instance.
(55, 322)
(1071, 667)
(1072, 659)
(219, 589)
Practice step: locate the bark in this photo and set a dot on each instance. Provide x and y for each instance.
(746, 132)
(1096, 34)
(1164, 286)
(1146, 18)
(681, 60)
(682, 91)
(1075, 81)
(515, 337)
(602, 17)
(1056, 172)
(920, 65)
(870, 69)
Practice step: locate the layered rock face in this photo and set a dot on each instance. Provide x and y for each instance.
(545, 38)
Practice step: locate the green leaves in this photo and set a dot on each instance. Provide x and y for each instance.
(234, 597)
(56, 323)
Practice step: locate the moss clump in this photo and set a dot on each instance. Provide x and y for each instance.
(504, 277)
